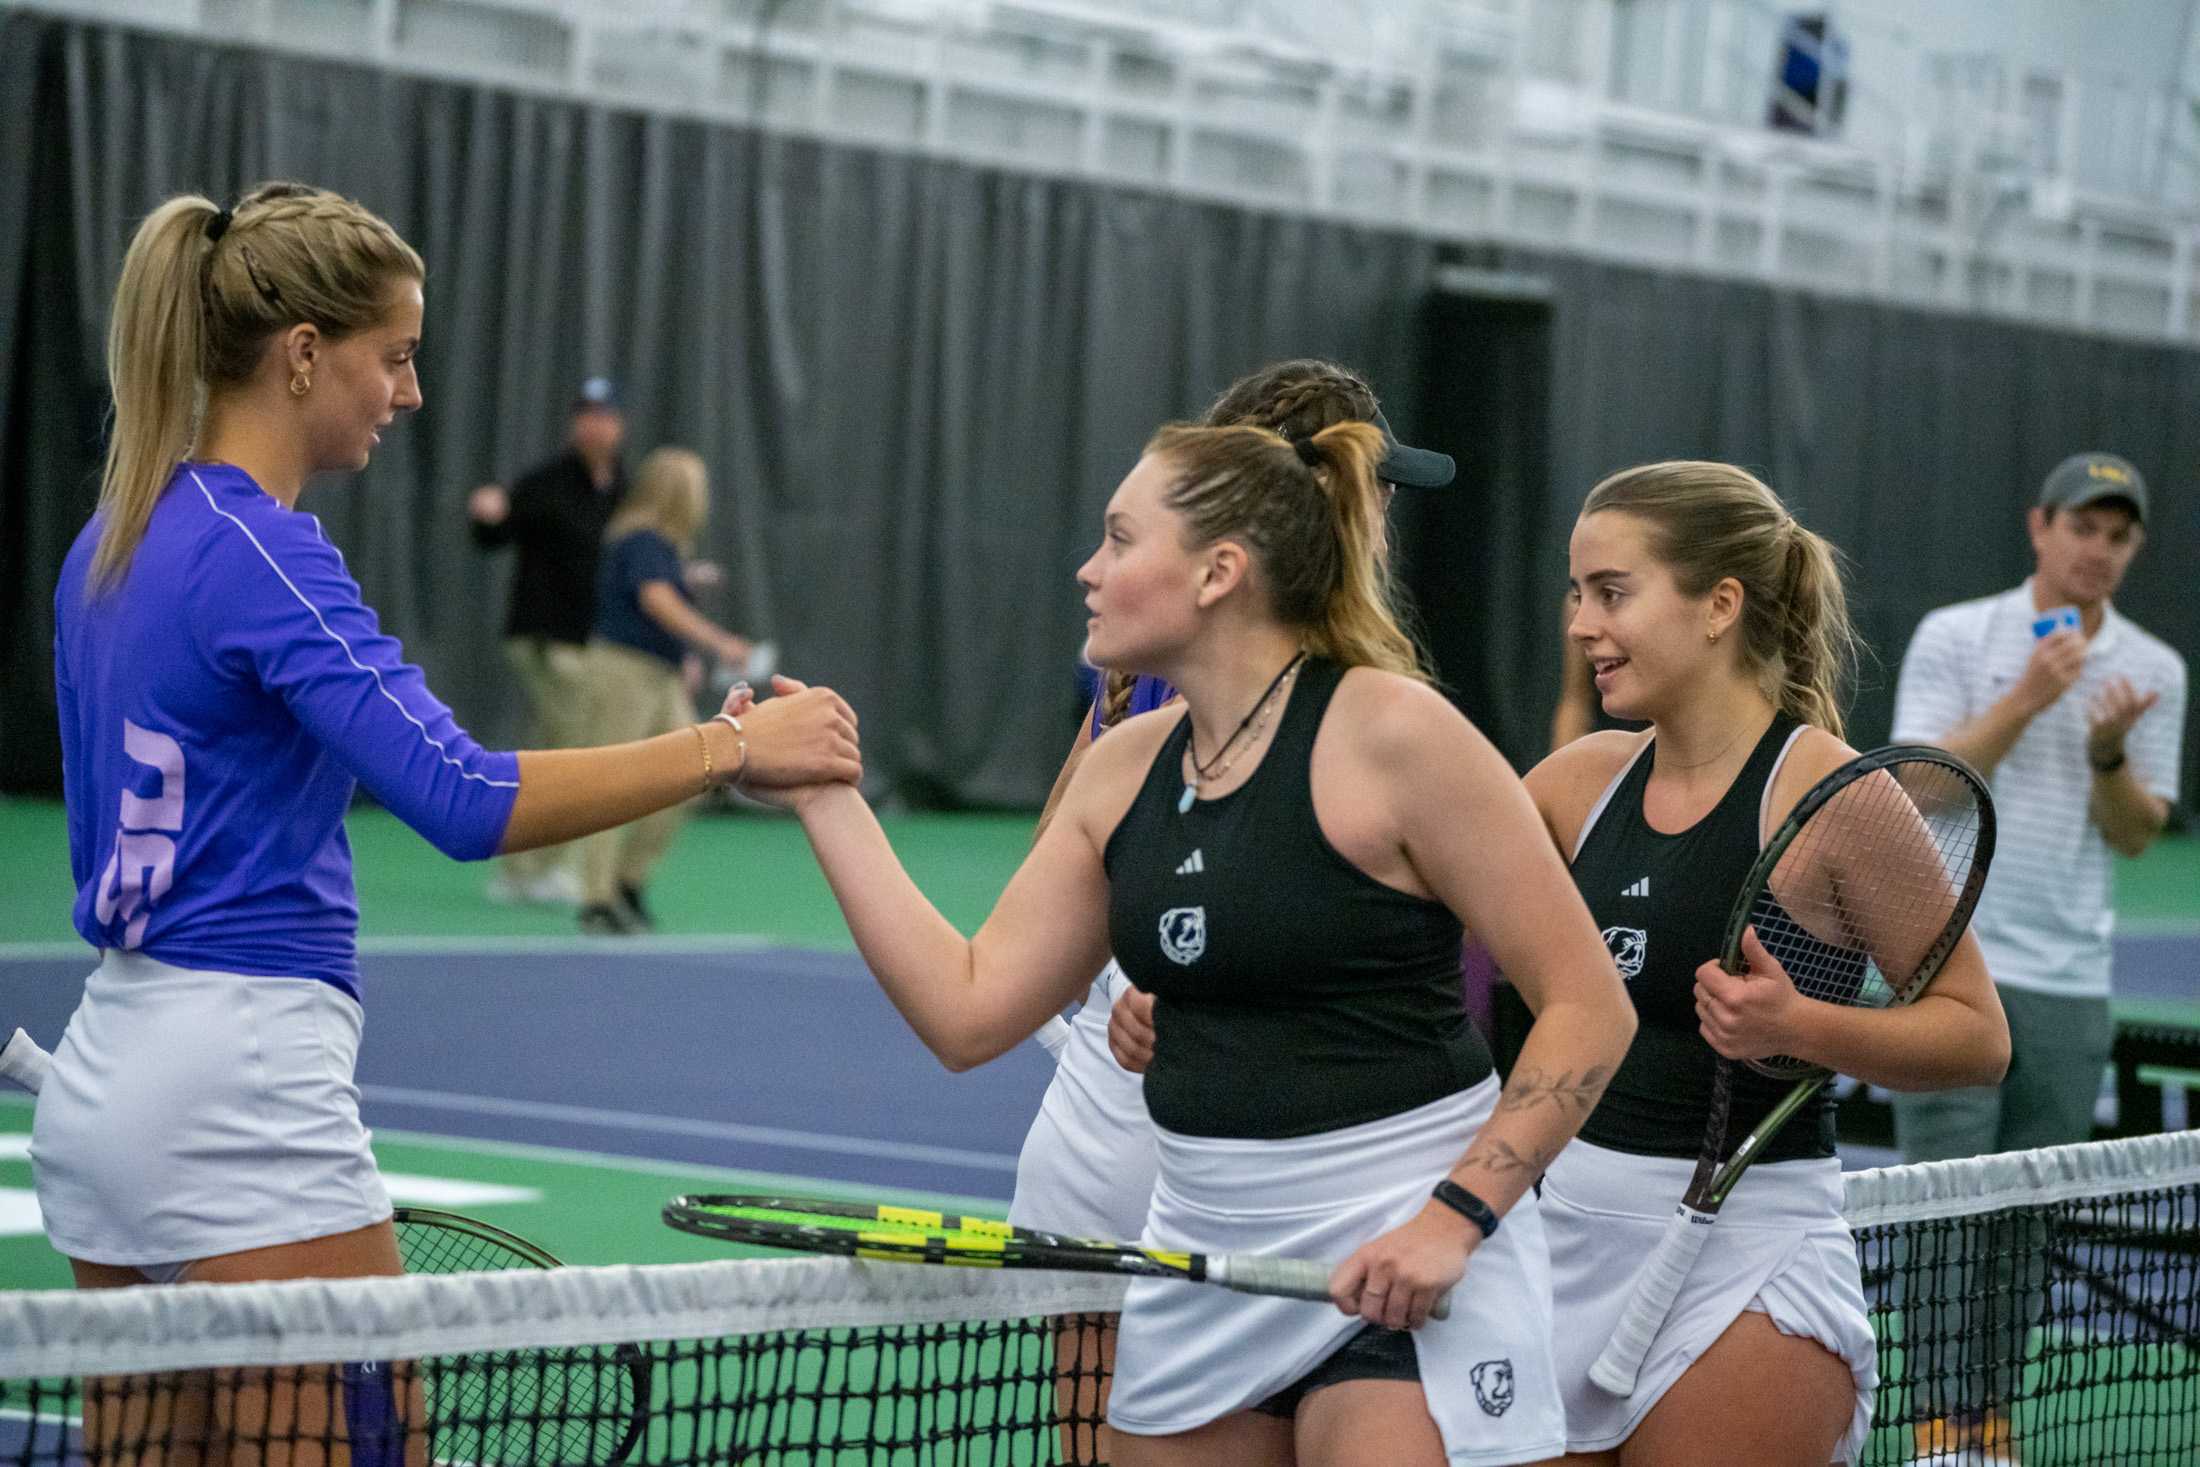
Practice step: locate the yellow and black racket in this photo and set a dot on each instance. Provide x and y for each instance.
(894, 1234)
(522, 1408)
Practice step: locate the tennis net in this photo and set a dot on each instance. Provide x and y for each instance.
(2040, 1308)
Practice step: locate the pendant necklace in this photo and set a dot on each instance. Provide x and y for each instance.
(1220, 765)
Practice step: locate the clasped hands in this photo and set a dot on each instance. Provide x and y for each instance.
(799, 742)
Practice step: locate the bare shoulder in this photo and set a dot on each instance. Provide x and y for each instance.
(1816, 754)
(1391, 717)
(1569, 780)
(1113, 767)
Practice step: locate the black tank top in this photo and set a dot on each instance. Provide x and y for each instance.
(1297, 993)
(1662, 901)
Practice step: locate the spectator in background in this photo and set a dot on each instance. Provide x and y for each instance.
(2076, 717)
(555, 517)
(639, 671)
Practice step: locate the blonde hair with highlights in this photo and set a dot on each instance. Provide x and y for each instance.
(193, 312)
(671, 495)
(1312, 517)
(1297, 398)
(1709, 521)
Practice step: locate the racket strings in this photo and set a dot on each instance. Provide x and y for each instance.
(1871, 893)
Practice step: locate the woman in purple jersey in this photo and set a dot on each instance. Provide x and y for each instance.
(222, 690)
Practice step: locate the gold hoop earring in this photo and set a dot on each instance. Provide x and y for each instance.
(300, 384)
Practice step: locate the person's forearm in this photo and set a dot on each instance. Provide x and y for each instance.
(1570, 1056)
(2128, 816)
(683, 621)
(1936, 1043)
(923, 963)
(568, 793)
(1983, 742)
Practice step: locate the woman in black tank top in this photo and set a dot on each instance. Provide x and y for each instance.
(1294, 883)
(1707, 611)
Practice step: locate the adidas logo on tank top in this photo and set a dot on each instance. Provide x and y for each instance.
(1192, 865)
(1639, 888)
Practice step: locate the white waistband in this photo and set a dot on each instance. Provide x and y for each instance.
(1287, 1173)
(1773, 1194)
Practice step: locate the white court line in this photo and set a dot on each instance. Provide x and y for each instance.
(655, 944)
(744, 1179)
(627, 1120)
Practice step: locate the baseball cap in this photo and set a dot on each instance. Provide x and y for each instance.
(597, 393)
(2089, 478)
(1416, 468)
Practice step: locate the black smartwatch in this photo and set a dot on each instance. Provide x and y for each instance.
(1467, 1205)
(2108, 767)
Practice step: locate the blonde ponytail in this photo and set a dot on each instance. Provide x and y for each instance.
(156, 350)
(1312, 516)
(1359, 625)
(202, 290)
(1819, 644)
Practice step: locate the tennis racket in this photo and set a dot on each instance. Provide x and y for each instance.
(520, 1408)
(918, 1235)
(1861, 895)
(24, 1062)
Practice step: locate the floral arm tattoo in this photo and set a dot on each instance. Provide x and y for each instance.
(1572, 1096)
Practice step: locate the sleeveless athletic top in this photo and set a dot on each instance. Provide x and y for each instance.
(1662, 902)
(1297, 993)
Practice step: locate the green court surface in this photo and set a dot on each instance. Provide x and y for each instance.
(749, 874)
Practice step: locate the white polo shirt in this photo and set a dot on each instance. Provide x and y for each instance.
(2047, 912)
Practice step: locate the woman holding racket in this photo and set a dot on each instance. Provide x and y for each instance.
(1708, 611)
(222, 691)
(1287, 857)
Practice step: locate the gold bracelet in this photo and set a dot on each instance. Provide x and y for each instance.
(741, 746)
(709, 784)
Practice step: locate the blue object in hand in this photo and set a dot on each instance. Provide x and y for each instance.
(2047, 623)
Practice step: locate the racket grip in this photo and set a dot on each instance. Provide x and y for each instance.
(1656, 1287)
(1287, 1278)
(1053, 1035)
(22, 1061)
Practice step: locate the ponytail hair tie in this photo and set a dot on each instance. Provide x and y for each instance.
(1308, 453)
(218, 226)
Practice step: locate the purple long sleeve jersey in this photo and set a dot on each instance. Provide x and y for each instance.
(218, 708)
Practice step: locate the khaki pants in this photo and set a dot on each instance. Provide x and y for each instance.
(553, 678)
(631, 695)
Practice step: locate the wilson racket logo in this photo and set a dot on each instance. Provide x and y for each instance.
(1184, 934)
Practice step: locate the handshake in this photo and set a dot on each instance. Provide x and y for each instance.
(795, 746)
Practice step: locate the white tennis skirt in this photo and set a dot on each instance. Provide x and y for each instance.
(1779, 1248)
(1087, 1166)
(1189, 1354)
(191, 1114)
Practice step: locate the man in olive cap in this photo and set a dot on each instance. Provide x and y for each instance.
(2076, 717)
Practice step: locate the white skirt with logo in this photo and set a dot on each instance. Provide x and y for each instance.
(1189, 1354)
(1779, 1249)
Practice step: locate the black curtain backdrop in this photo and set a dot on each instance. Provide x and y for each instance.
(916, 382)
(1467, 556)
